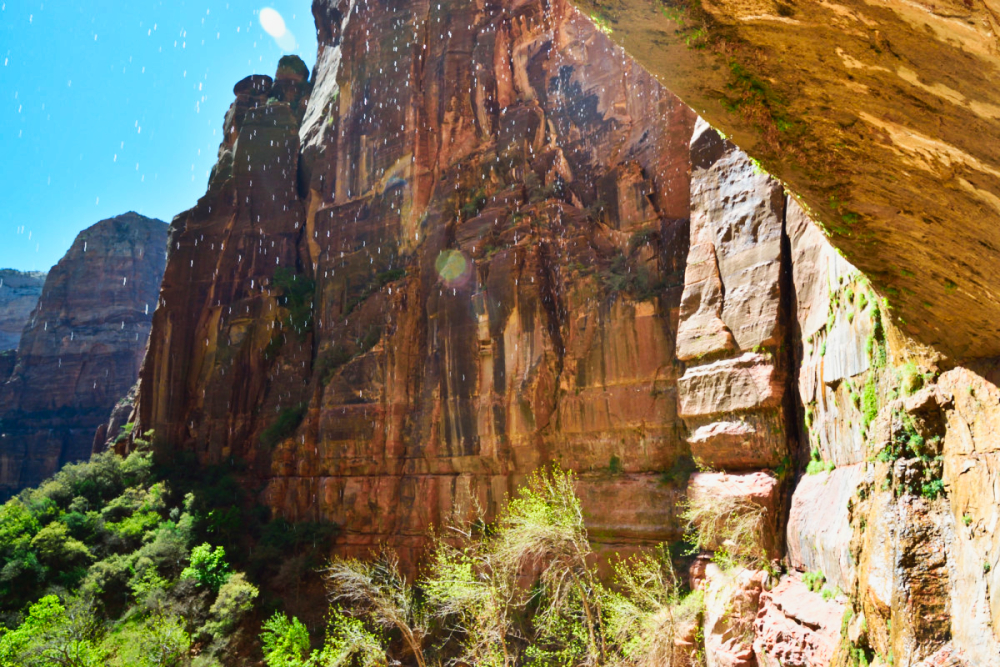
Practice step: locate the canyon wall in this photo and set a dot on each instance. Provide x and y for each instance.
(81, 350)
(883, 116)
(480, 239)
(19, 292)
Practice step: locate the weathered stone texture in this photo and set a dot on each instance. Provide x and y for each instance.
(796, 627)
(493, 206)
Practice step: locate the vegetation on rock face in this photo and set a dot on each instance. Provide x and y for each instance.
(729, 526)
(123, 561)
(520, 591)
(120, 561)
(296, 294)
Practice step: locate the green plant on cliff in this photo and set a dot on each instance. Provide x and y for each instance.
(869, 402)
(636, 281)
(729, 526)
(523, 590)
(814, 580)
(817, 465)
(296, 294)
(284, 425)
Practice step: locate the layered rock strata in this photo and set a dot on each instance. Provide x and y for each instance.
(82, 348)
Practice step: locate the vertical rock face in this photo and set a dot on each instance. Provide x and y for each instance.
(19, 292)
(490, 218)
(82, 348)
(480, 239)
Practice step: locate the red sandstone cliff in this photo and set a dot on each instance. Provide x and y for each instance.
(482, 239)
(82, 348)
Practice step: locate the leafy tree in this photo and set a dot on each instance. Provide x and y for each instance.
(378, 589)
(159, 640)
(543, 528)
(53, 635)
(208, 566)
(55, 546)
(286, 642)
(235, 600)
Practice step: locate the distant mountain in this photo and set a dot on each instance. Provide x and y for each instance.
(81, 349)
(19, 292)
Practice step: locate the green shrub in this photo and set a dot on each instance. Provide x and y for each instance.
(814, 580)
(208, 567)
(296, 294)
(869, 403)
(235, 599)
(288, 420)
(615, 466)
(932, 489)
(286, 642)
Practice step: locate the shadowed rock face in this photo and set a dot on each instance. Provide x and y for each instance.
(82, 348)
(19, 292)
(884, 117)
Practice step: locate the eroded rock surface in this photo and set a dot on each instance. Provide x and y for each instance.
(883, 117)
(796, 627)
(82, 348)
(480, 239)
(491, 215)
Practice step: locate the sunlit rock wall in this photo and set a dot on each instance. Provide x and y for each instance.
(480, 239)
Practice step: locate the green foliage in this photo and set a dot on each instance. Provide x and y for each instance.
(641, 238)
(680, 471)
(208, 567)
(615, 466)
(476, 202)
(814, 580)
(601, 23)
(817, 465)
(155, 640)
(286, 642)
(869, 403)
(967, 519)
(911, 379)
(296, 295)
(350, 643)
(284, 426)
(875, 345)
(53, 634)
(92, 563)
(637, 282)
(520, 591)
(729, 526)
(932, 489)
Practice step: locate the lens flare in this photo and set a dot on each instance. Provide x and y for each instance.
(272, 23)
(452, 266)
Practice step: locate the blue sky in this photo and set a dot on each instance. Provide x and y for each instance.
(117, 105)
